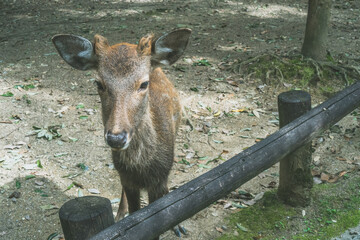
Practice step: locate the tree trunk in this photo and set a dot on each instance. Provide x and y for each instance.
(316, 29)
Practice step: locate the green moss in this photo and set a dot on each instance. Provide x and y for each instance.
(270, 67)
(262, 219)
(334, 208)
(307, 73)
(299, 72)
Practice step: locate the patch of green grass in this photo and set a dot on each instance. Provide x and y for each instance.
(25, 86)
(334, 208)
(7, 94)
(261, 219)
(202, 62)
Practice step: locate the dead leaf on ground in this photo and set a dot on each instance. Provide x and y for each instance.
(224, 152)
(342, 173)
(254, 200)
(324, 177)
(49, 207)
(332, 178)
(220, 230)
(93, 191)
(256, 113)
(315, 173)
(227, 205)
(341, 158)
(233, 83)
(217, 114)
(272, 184)
(240, 110)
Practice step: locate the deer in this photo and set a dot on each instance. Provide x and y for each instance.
(140, 107)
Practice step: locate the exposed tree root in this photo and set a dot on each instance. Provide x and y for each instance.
(245, 68)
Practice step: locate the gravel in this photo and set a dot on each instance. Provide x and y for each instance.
(351, 234)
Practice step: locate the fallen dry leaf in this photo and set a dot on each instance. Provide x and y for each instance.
(232, 83)
(93, 191)
(256, 113)
(342, 173)
(347, 137)
(195, 116)
(324, 177)
(272, 184)
(217, 114)
(240, 110)
(220, 230)
(315, 172)
(224, 152)
(341, 158)
(227, 205)
(333, 179)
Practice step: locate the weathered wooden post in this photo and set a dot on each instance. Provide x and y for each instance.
(83, 217)
(295, 174)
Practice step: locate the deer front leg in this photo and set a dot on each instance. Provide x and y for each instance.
(123, 207)
(158, 192)
(133, 198)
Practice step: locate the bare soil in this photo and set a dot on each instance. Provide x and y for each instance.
(228, 112)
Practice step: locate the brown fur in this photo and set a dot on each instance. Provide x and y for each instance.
(152, 118)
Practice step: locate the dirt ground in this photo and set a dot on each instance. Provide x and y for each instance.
(38, 175)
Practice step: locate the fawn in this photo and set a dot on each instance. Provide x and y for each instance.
(140, 107)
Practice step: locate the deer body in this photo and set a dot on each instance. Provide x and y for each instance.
(146, 163)
(140, 106)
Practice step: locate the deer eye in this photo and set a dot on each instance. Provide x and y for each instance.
(144, 85)
(99, 85)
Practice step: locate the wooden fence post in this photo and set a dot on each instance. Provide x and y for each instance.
(81, 218)
(295, 174)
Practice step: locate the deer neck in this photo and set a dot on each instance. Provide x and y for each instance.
(142, 143)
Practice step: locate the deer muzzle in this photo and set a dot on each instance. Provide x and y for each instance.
(119, 141)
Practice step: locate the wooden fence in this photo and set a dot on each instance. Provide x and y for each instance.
(192, 197)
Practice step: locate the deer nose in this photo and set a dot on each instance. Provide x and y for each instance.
(119, 141)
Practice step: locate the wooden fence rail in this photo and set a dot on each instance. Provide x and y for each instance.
(184, 202)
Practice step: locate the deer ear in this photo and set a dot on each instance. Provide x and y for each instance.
(168, 48)
(77, 51)
(144, 46)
